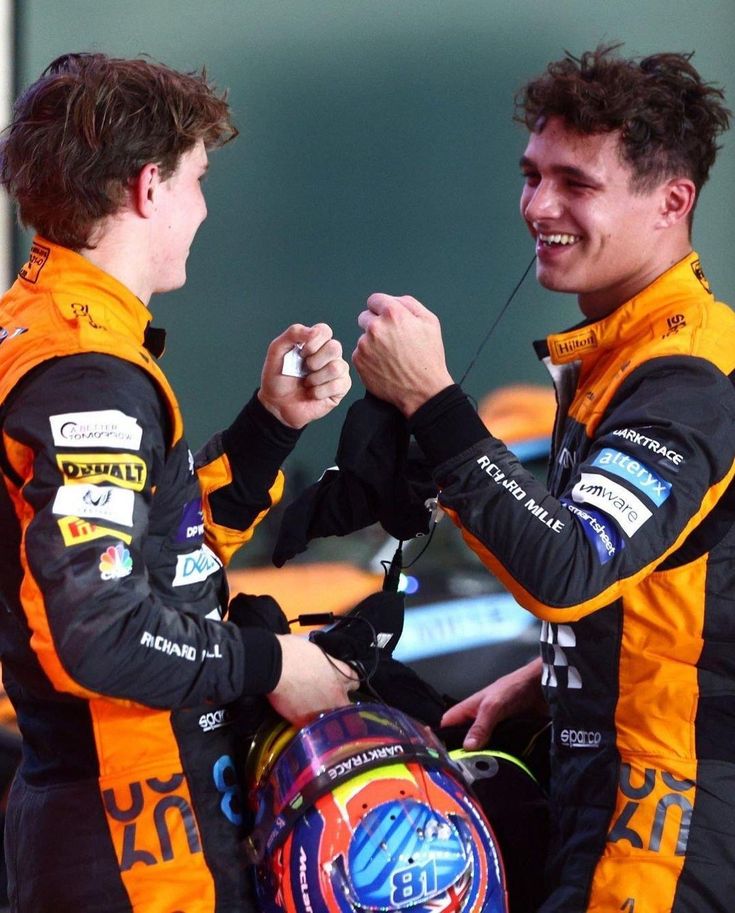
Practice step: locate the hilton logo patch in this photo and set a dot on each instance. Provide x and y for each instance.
(565, 348)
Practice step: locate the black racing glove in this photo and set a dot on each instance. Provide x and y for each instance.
(259, 619)
(248, 611)
(379, 477)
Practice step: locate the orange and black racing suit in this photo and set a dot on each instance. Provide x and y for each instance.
(113, 542)
(628, 556)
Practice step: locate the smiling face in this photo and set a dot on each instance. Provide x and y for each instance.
(595, 236)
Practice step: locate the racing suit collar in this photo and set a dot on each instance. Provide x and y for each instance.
(83, 291)
(658, 309)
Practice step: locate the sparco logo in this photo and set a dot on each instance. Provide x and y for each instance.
(214, 720)
(303, 882)
(580, 738)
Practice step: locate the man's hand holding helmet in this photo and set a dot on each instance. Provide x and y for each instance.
(311, 681)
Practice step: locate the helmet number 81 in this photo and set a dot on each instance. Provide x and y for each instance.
(414, 882)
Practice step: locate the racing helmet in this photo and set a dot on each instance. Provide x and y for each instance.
(364, 810)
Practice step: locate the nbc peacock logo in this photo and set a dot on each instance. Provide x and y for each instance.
(115, 562)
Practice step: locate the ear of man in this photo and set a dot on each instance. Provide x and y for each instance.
(678, 196)
(145, 188)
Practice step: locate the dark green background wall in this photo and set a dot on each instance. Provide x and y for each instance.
(377, 153)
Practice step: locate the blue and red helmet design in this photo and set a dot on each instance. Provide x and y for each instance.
(384, 822)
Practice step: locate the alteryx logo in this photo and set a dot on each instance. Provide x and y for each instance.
(635, 472)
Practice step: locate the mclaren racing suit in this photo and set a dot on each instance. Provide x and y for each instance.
(629, 558)
(113, 542)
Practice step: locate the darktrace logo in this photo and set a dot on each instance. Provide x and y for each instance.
(342, 769)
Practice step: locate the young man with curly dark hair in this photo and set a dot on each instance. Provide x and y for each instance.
(628, 555)
(113, 536)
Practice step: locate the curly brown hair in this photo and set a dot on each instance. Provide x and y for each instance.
(668, 117)
(84, 130)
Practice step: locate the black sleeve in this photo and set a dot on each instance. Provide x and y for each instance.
(661, 459)
(97, 626)
(240, 476)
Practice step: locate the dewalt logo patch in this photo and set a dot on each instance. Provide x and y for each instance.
(122, 469)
